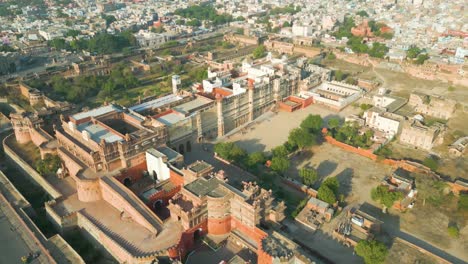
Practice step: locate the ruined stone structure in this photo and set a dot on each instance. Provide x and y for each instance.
(37, 98)
(432, 105)
(418, 135)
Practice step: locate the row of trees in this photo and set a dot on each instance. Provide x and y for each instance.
(349, 134)
(102, 43)
(299, 138)
(204, 12)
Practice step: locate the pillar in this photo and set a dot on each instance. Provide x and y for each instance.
(251, 99)
(199, 125)
(219, 107)
(276, 89)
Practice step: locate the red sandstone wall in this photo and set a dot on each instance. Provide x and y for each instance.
(219, 226)
(88, 190)
(263, 257)
(253, 232)
(163, 195)
(70, 164)
(37, 138)
(121, 204)
(135, 173)
(363, 152)
(176, 178)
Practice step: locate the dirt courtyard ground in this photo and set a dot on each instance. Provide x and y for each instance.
(274, 130)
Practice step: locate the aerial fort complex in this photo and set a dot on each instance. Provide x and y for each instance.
(128, 186)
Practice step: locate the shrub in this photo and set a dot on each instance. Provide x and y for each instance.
(373, 252)
(326, 194)
(383, 195)
(280, 164)
(453, 231)
(431, 163)
(309, 176)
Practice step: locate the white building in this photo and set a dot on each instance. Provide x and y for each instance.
(146, 38)
(378, 119)
(336, 95)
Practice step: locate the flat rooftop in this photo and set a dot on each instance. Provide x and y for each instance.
(193, 105)
(199, 166)
(158, 102)
(170, 153)
(98, 132)
(170, 118)
(205, 186)
(96, 112)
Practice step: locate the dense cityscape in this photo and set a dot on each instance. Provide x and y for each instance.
(232, 131)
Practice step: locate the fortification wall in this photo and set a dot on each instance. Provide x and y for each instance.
(25, 167)
(114, 198)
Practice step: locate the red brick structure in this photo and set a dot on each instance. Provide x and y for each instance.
(362, 30)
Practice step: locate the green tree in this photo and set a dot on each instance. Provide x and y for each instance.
(256, 158)
(326, 194)
(339, 75)
(362, 13)
(259, 52)
(286, 24)
(301, 138)
(280, 151)
(384, 196)
(365, 107)
(333, 123)
(463, 201)
(194, 23)
(309, 176)
(230, 151)
(453, 231)
(331, 56)
(57, 43)
(49, 165)
(299, 207)
(373, 252)
(351, 80)
(431, 163)
(413, 52)
(109, 19)
(332, 183)
(421, 59)
(312, 123)
(280, 164)
(378, 50)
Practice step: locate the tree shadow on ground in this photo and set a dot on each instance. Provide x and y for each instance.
(250, 145)
(345, 180)
(325, 168)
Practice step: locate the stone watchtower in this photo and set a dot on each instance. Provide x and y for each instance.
(22, 125)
